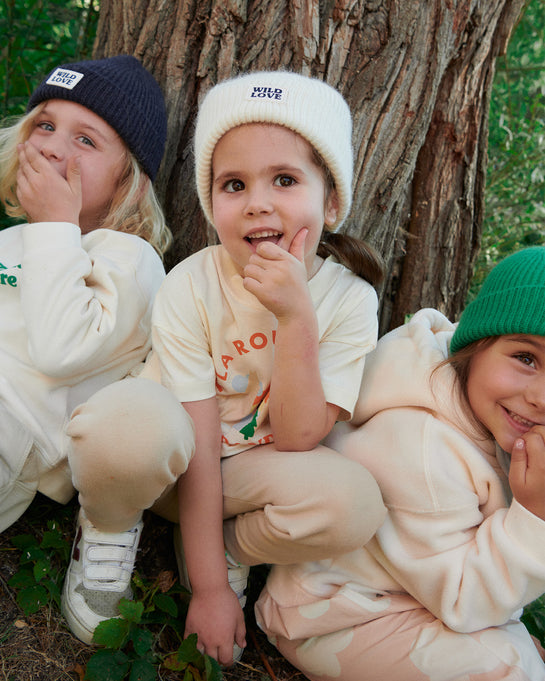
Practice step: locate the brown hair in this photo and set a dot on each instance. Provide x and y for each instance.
(461, 363)
(355, 254)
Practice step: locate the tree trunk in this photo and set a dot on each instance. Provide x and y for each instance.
(417, 77)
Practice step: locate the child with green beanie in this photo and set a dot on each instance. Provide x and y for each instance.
(451, 423)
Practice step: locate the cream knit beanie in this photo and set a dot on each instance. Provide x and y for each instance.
(308, 106)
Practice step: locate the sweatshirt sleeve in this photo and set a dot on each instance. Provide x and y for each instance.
(86, 300)
(450, 539)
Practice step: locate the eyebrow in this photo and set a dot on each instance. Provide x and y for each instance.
(279, 168)
(520, 338)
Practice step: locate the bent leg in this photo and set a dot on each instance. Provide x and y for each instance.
(130, 442)
(287, 507)
(414, 646)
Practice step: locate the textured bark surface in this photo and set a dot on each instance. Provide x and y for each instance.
(417, 76)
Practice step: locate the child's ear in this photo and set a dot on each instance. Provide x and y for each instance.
(331, 208)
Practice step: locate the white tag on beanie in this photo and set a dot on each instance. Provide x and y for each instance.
(273, 94)
(64, 78)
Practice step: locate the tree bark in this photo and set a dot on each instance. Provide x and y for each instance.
(417, 76)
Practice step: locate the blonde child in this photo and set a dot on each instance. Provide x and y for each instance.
(454, 433)
(262, 339)
(78, 278)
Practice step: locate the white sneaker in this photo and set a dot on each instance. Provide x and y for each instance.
(98, 576)
(237, 576)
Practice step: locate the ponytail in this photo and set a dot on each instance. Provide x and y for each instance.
(355, 254)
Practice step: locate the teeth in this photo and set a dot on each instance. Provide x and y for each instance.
(520, 420)
(264, 234)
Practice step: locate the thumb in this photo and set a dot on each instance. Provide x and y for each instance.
(297, 246)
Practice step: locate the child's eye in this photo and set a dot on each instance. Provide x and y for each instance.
(526, 358)
(44, 125)
(233, 186)
(85, 140)
(284, 181)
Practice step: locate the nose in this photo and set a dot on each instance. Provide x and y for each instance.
(258, 202)
(53, 148)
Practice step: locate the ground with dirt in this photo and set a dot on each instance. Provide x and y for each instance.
(40, 647)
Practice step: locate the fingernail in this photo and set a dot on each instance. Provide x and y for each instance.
(519, 443)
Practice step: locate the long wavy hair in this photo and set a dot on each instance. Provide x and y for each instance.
(134, 208)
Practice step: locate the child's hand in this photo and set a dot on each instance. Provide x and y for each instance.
(278, 278)
(218, 621)
(527, 471)
(44, 194)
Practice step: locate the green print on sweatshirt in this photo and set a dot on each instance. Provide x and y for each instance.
(8, 279)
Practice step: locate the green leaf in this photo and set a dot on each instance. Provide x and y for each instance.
(107, 665)
(142, 640)
(31, 599)
(41, 569)
(212, 669)
(131, 610)
(24, 541)
(22, 579)
(54, 591)
(187, 652)
(54, 540)
(143, 670)
(112, 633)
(166, 603)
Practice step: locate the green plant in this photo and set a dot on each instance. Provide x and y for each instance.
(534, 618)
(36, 36)
(148, 636)
(42, 566)
(515, 192)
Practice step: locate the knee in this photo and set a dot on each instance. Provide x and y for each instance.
(130, 425)
(357, 509)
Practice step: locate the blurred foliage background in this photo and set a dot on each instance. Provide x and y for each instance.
(36, 36)
(515, 190)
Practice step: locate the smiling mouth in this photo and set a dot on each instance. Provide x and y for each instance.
(520, 420)
(270, 235)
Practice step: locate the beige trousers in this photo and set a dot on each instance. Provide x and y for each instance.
(132, 440)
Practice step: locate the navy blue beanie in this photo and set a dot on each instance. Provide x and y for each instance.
(122, 92)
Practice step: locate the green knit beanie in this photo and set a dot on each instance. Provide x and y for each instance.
(511, 301)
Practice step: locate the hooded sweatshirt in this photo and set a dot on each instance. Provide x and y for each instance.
(453, 542)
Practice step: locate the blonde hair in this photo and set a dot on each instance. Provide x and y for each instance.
(134, 209)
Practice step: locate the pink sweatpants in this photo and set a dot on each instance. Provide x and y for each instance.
(403, 646)
(132, 440)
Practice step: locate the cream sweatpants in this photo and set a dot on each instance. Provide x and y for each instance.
(132, 440)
